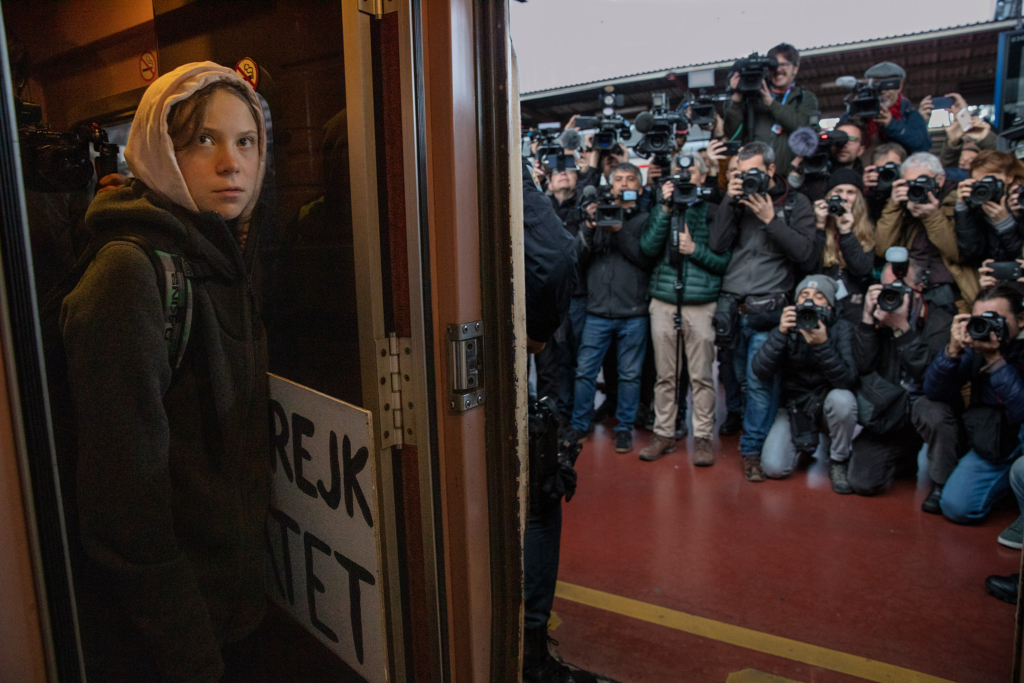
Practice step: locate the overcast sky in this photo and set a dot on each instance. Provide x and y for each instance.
(563, 42)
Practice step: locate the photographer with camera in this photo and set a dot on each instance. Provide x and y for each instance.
(810, 350)
(985, 227)
(979, 137)
(617, 273)
(770, 230)
(684, 291)
(838, 148)
(919, 216)
(780, 106)
(879, 177)
(844, 244)
(897, 120)
(984, 350)
(897, 337)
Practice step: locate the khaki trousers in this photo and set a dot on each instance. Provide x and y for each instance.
(699, 343)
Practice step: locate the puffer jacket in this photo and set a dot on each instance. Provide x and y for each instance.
(170, 483)
(702, 270)
(808, 368)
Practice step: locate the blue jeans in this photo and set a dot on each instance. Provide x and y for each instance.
(598, 332)
(974, 486)
(540, 563)
(762, 397)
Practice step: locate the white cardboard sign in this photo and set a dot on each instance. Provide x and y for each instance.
(323, 560)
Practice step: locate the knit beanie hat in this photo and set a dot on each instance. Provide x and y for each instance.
(845, 176)
(822, 283)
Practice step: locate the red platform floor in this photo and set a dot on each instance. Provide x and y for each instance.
(875, 578)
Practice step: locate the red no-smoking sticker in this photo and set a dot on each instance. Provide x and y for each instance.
(248, 70)
(147, 66)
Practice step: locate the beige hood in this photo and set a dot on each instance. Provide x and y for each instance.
(150, 152)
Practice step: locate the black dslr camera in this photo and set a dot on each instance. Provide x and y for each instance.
(60, 162)
(754, 181)
(836, 206)
(988, 189)
(979, 327)
(753, 71)
(891, 296)
(919, 188)
(659, 127)
(865, 101)
(808, 314)
(819, 164)
(609, 129)
(888, 174)
(1006, 271)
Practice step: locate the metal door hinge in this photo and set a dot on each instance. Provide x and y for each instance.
(394, 391)
(465, 366)
(378, 8)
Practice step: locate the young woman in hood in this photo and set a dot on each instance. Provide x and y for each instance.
(169, 491)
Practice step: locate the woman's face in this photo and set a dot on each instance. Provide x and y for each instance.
(847, 192)
(221, 164)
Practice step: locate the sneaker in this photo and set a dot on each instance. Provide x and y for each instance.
(540, 667)
(837, 473)
(752, 468)
(1003, 587)
(703, 453)
(1013, 534)
(623, 442)
(732, 425)
(659, 446)
(931, 503)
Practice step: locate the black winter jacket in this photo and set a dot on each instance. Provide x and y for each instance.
(572, 219)
(618, 271)
(550, 254)
(977, 239)
(808, 369)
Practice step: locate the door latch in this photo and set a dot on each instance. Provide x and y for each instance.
(465, 366)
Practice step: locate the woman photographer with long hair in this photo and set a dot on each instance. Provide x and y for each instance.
(844, 245)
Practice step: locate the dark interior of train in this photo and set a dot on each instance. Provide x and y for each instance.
(728, 564)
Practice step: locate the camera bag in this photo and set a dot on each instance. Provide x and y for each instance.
(765, 310)
(726, 321)
(881, 405)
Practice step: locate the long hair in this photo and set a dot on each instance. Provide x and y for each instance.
(863, 230)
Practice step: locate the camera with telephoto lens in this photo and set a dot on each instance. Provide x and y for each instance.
(659, 127)
(866, 101)
(891, 296)
(754, 181)
(808, 314)
(609, 213)
(919, 188)
(819, 164)
(1006, 271)
(836, 206)
(754, 70)
(979, 327)
(988, 189)
(60, 162)
(888, 174)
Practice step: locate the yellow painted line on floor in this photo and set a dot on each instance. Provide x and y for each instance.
(861, 667)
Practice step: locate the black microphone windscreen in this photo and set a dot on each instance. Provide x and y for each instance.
(644, 122)
(571, 139)
(803, 142)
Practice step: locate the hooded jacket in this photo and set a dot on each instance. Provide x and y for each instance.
(171, 484)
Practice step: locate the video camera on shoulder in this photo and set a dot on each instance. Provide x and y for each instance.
(988, 189)
(552, 145)
(754, 181)
(60, 162)
(808, 314)
(753, 71)
(702, 109)
(819, 164)
(919, 188)
(865, 101)
(888, 174)
(891, 296)
(609, 127)
(659, 127)
(980, 327)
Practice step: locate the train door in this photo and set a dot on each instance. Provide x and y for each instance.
(389, 265)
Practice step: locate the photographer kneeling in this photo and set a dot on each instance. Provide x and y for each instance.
(684, 291)
(811, 351)
(984, 349)
(985, 228)
(896, 339)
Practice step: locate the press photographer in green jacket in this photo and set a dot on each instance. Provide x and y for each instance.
(689, 261)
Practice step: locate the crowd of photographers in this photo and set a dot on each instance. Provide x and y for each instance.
(861, 294)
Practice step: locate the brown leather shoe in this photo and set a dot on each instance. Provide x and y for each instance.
(752, 468)
(659, 446)
(703, 453)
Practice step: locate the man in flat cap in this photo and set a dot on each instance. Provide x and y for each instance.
(898, 121)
